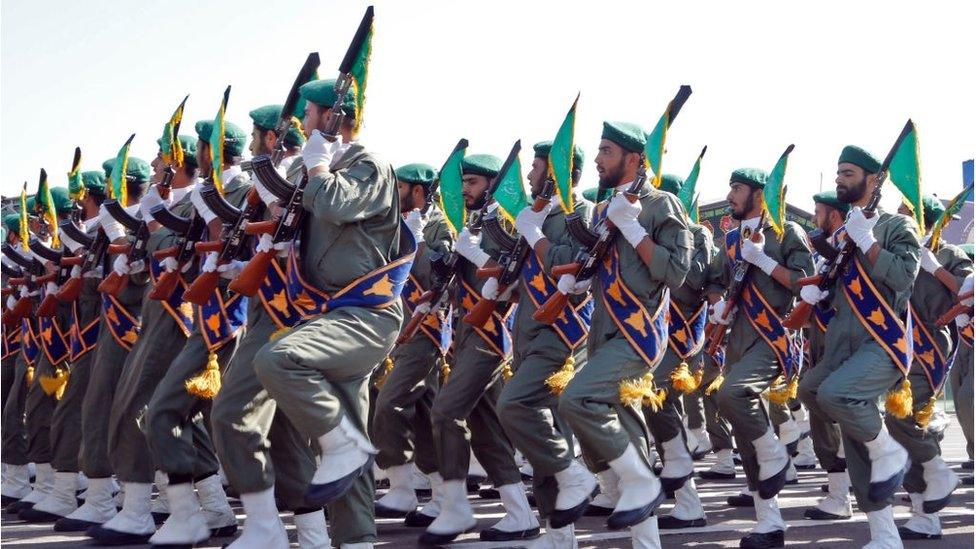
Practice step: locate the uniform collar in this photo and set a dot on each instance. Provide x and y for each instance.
(750, 223)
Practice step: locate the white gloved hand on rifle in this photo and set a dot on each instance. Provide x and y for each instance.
(416, 221)
(469, 247)
(860, 229)
(568, 285)
(318, 151)
(812, 294)
(529, 222)
(718, 310)
(623, 213)
(754, 253)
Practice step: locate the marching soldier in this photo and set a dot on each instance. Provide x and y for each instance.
(828, 215)
(929, 480)
(602, 402)
(402, 420)
(319, 370)
(758, 349)
(465, 405)
(857, 365)
(263, 455)
(527, 404)
(961, 374)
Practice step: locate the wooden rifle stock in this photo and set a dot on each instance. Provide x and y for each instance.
(715, 338)
(567, 269)
(261, 227)
(114, 282)
(410, 329)
(207, 247)
(165, 285)
(800, 315)
(202, 288)
(70, 290)
(253, 274)
(20, 310)
(958, 309)
(552, 308)
(479, 314)
(490, 271)
(48, 306)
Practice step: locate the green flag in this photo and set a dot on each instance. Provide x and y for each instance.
(217, 145)
(451, 199)
(774, 194)
(954, 207)
(118, 188)
(170, 145)
(687, 194)
(694, 215)
(509, 191)
(76, 186)
(357, 66)
(24, 225)
(655, 147)
(561, 159)
(45, 207)
(905, 172)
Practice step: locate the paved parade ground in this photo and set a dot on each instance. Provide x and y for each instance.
(725, 524)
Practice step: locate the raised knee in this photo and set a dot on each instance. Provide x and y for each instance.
(829, 400)
(268, 363)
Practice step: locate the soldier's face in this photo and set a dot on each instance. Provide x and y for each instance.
(203, 157)
(851, 182)
(315, 118)
(821, 217)
(611, 163)
(411, 196)
(537, 175)
(259, 144)
(742, 200)
(158, 167)
(903, 210)
(473, 189)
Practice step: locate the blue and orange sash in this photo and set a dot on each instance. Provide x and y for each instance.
(686, 337)
(966, 335)
(274, 296)
(121, 324)
(647, 333)
(763, 317)
(11, 341)
(435, 327)
(54, 342)
(376, 289)
(877, 317)
(180, 310)
(221, 319)
(29, 345)
(83, 338)
(934, 362)
(497, 332)
(573, 324)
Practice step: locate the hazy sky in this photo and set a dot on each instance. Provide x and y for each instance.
(764, 74)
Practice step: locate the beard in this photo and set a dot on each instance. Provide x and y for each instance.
(612, 176)
(740, 214)
(850, 195)
(407, 203)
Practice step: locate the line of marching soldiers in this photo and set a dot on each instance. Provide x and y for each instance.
(293, 386)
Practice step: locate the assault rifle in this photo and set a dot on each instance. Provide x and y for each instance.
(190, 231)
(136, 251)
(32, 270)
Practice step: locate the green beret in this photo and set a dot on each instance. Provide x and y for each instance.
(629, 136)
(933, 209)
(62, 201)
(137, 169)
(31, 201)
(481, 164)
(542, 149)
(11, 222)
(967, 247)
(859, 157)
(323, 94)
(754, 177)
(189, 145)
(671, 183)
(829, 198)
(94, 181)
(266, 118)
(420, 174)
(234, 136)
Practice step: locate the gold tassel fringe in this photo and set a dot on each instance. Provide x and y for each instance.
(55, 385)
(642, 392)
(714, 385)
(445, 371)
(558, 381)
(683, 380)
(387, 369)
(924, 416)
(207, 384)
(507, 372)
(783, 392)
(29, 376)
(899, 402)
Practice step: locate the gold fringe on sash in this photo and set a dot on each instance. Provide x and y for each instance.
(207, 384)
(387, 368)
(683, 380)
(714, 385)
(924, 416)
(642, 391)
(558, 381)
(445, 370)
(507, 372)
(783, 392)
(56, 384)
(29, 376)
(899, 402)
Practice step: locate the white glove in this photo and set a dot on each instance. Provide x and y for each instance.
(201, 206)
(929, 262)
(416, 222)
(51, 288)
(318, 151)
(267, 196)
(967, 286)
(231, 269)
(113, 229)
(963, 320)
(469, 246)
(490, 289)
(11, 301)
(137, 266)
(754, 253)
(718, 309)
(861, 229)
(812, 294)
(121, 265)
(423, 308)
(528, 223)
(567, 284)
(265, 243)
(210, 263)
(624, 214)
(76, 271)
(149, 201)
(170, 264)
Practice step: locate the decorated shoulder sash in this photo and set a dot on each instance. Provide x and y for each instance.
(83, 338)
(435, 327)
(377, 289)
(180, 310)
(54, 342)
(934, 362)
(29, 345)
(497, 332)
(573, 324)
(221, 319)
(121, 324)
(763, 317)
(274, 296)
(821, 315)
(877, 317)
(686, 336)
(646, 332)
(11, 341)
